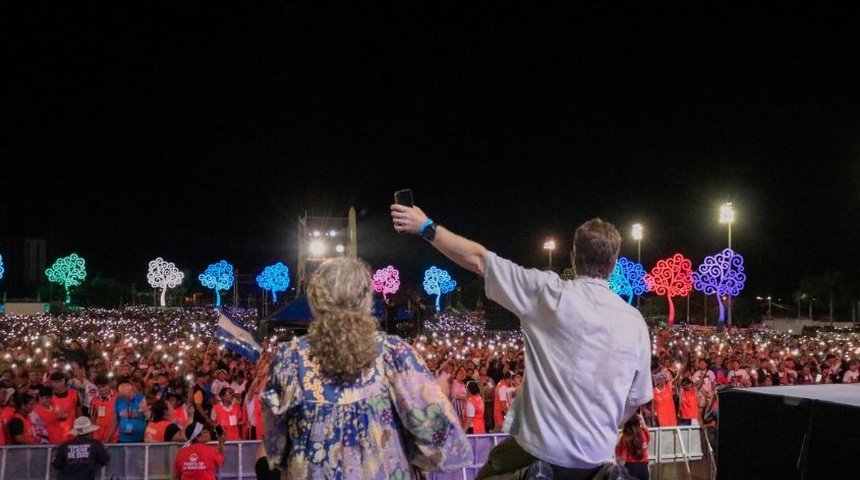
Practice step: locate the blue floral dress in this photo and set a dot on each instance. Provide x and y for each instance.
(380, 426)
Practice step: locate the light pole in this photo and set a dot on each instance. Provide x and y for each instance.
(549, 246)
(727, 215)
(637, 235)
(768, 307)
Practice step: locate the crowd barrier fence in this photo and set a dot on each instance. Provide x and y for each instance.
(154, 461)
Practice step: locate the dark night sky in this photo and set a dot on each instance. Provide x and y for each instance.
(200, 134)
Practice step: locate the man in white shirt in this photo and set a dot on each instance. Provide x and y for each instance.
(738, 376)
(571, 403)
(852, 374)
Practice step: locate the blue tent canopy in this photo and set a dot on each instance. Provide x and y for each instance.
(298, 312)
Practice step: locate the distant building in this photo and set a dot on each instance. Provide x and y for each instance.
(24, 261)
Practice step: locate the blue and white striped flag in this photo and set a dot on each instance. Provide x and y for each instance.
(236, 337)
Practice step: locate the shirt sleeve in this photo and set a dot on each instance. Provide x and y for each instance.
(280, 395)
(101, 454)
(59, 459)
(438, 440)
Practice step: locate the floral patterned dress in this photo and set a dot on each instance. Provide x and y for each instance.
(318, 427)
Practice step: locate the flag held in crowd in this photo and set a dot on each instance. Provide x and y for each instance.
(237, 337)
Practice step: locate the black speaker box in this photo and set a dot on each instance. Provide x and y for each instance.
(802, 432)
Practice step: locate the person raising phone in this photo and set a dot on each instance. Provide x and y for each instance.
(569, 329)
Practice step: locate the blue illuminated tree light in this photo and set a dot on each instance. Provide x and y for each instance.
(69, 272)
(1, 267)
(721, 275)
(275, 278)
(628, 279)
(218, 276)
(437, 282)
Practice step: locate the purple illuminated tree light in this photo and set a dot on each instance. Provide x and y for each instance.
(386, 280)
(274, 278)
(218, 276)
(628, 279)
(437, 282)
(721, 275)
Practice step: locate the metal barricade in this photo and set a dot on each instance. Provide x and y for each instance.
(154, 461)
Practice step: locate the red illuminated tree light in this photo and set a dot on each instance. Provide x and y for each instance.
(672, 277)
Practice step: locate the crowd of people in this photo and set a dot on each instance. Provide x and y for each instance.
(150, 386)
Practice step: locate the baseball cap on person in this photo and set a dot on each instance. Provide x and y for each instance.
(83, 426)
(661, 377)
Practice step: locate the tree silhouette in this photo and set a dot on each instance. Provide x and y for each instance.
(386, 280)
(437, 282)
(274, 278)
(218, 276)
(164, 275)
(720, 275)
(69, 272)
(671, 277)
(628, 279)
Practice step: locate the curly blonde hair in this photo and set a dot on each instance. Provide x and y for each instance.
(342, 335)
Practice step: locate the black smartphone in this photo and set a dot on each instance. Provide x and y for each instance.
(403, 197)
(219, 430)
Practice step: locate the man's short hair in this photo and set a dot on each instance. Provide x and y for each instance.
(45, 391)
(57, 376)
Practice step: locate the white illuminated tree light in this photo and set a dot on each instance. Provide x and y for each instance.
(164, 275)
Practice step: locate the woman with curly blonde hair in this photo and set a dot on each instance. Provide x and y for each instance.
(349, 401)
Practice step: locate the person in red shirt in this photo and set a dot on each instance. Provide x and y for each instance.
(228, 414)
(49, 423)
(21, 428)
(632, 448)
(6, 413)
(689, 403)
(68, 404)
(196, 460)
(473, 414)
(664, 402)
(102, 410)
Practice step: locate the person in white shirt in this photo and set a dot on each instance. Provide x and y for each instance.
(222, 380)
(852, 374)
(572, 402)
(738, 376)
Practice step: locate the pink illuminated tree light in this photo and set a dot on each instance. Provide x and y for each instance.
(672, 277)
(386, 280)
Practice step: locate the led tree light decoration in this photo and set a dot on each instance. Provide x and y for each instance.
(69, 272)
(275, 278)
(628, 279)
(218, 276)
(1, 267)
(386, 280)
(721, 275)
(568, 274)
(437, 282)
(671, 277)
(164, 275)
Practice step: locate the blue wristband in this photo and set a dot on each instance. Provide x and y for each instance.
(424, 226)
